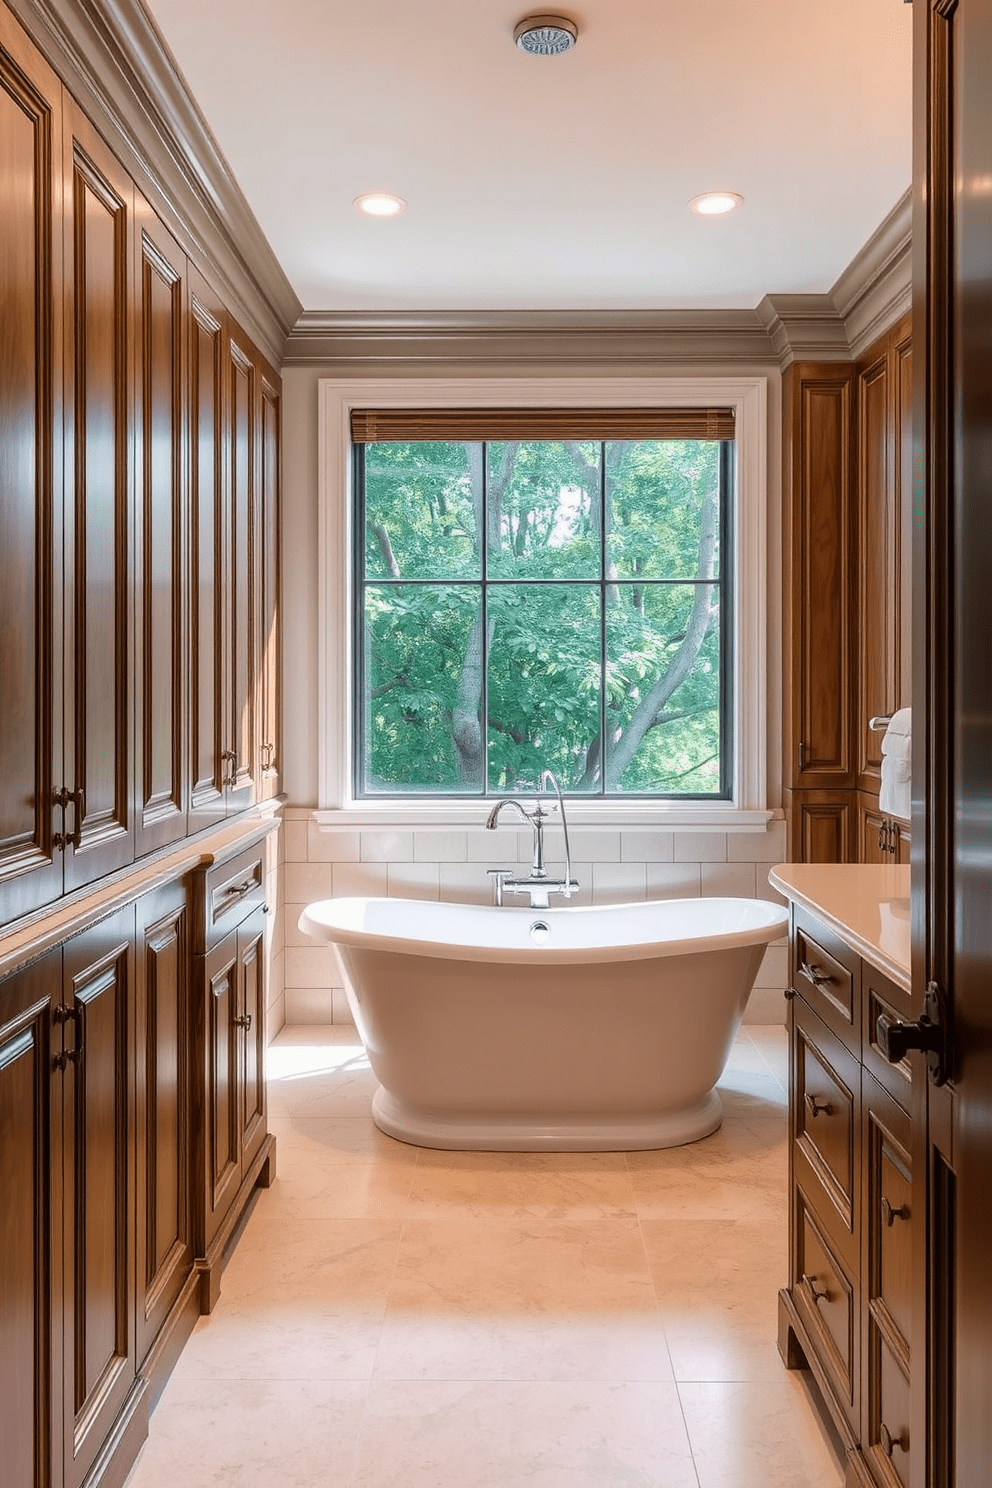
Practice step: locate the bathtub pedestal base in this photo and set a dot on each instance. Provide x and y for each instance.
(501, 1133)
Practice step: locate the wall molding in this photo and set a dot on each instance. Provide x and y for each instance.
(346, 343)
(875, 290)
(804, 327)
(113, 60)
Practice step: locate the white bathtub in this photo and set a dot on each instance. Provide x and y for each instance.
(547, 1029)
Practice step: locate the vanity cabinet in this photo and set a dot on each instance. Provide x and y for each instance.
(847, 1312)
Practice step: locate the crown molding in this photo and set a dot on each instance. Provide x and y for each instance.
(349, 342)
(114, 62)
(875, 289)
(804, 327)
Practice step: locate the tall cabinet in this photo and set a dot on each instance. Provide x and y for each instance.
(847, 600)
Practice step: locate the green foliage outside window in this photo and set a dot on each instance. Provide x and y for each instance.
(522, 602)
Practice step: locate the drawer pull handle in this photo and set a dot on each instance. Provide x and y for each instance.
(790, 993)
(890, 1213)
(814, 974)
(244, 1021)
(809, 1282)
(890, 1442)
(238, 891)
(818, 1107)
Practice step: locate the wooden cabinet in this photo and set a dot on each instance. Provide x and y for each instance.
(68, 1331)
(847, 1312)
(164, 1128)
(235, 1151)
(847, 483)
(139, 561)
(881, 839)
(31, 654)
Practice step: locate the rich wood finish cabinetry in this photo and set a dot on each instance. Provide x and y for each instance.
(848, 1310)
(139, 655)
(235, 1148)
(847, 484)
(139, 566)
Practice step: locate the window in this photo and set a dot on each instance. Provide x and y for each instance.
(531, 602)
(340, 605)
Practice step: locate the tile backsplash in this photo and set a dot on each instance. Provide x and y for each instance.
(612, 867)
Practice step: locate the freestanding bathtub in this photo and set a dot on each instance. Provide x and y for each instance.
(547, 1029)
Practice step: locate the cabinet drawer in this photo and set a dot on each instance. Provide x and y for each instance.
(231, 891)
(888, 1216)
(826, 1298)
(826, 1088)
(879, 996)
(826, 973)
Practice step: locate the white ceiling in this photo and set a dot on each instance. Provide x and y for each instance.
(555, 183)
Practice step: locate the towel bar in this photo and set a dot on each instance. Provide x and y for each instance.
(880, 722)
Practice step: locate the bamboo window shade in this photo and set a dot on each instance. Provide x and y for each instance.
(375, 426)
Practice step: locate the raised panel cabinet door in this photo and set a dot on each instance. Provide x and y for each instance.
(30, 475)
(242, 375)
(30, 1294)
(270, 633)
(875, 544)
(903, 378)
(98, 360)
(209, 564)
(251, 1021)
(821, 826)
(98, 1354)
(163, 1111)
(160, 534)
(818, 429)
(220, 994)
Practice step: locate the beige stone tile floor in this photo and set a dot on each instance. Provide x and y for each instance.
(397, 1316)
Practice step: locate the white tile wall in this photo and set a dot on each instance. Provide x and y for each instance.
(611, 866)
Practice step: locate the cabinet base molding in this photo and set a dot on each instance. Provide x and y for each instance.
(124, 1441)
(210, 1266)
(163, 1355)
(799, 1352)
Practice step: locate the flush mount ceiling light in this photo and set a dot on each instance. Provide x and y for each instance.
(379, 204)
(716, 203)
(545, 35)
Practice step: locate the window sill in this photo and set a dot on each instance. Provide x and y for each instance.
(693, 816)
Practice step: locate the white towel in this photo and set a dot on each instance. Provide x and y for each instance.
(895, 796)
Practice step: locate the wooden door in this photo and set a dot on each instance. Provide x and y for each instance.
(30, 475)
(219, 997)
(163, 1111)
(269, 632)
(251, 1030)
(98, 1356)
(160, 534)
(98, 359)
(208, 619)
(952, 755)
(30, 1291)
(242, 578)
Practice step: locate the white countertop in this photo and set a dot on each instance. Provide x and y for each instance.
(867, 904)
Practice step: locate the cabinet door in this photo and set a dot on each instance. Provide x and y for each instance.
(29, 1293)
(208, 549)
(220, 994)
(98, 526)
(30, 475)
(242, 377)
(818, 423)
(251, 1028)
(98, 1356)
(270, 636)
(877, 543)
(160, 663)
(163, 1111)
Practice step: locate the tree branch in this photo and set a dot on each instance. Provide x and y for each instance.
(386, 550)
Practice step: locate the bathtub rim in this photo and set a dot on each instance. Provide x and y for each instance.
(311, 923)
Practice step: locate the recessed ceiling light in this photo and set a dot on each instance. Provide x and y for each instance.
(379, 204)
(716, 203)
(545, 35)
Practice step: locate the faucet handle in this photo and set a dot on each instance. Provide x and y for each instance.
(499, 877)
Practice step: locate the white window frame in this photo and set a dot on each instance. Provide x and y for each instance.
(748, 396)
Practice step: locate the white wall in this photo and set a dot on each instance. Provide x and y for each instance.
(611, 865)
